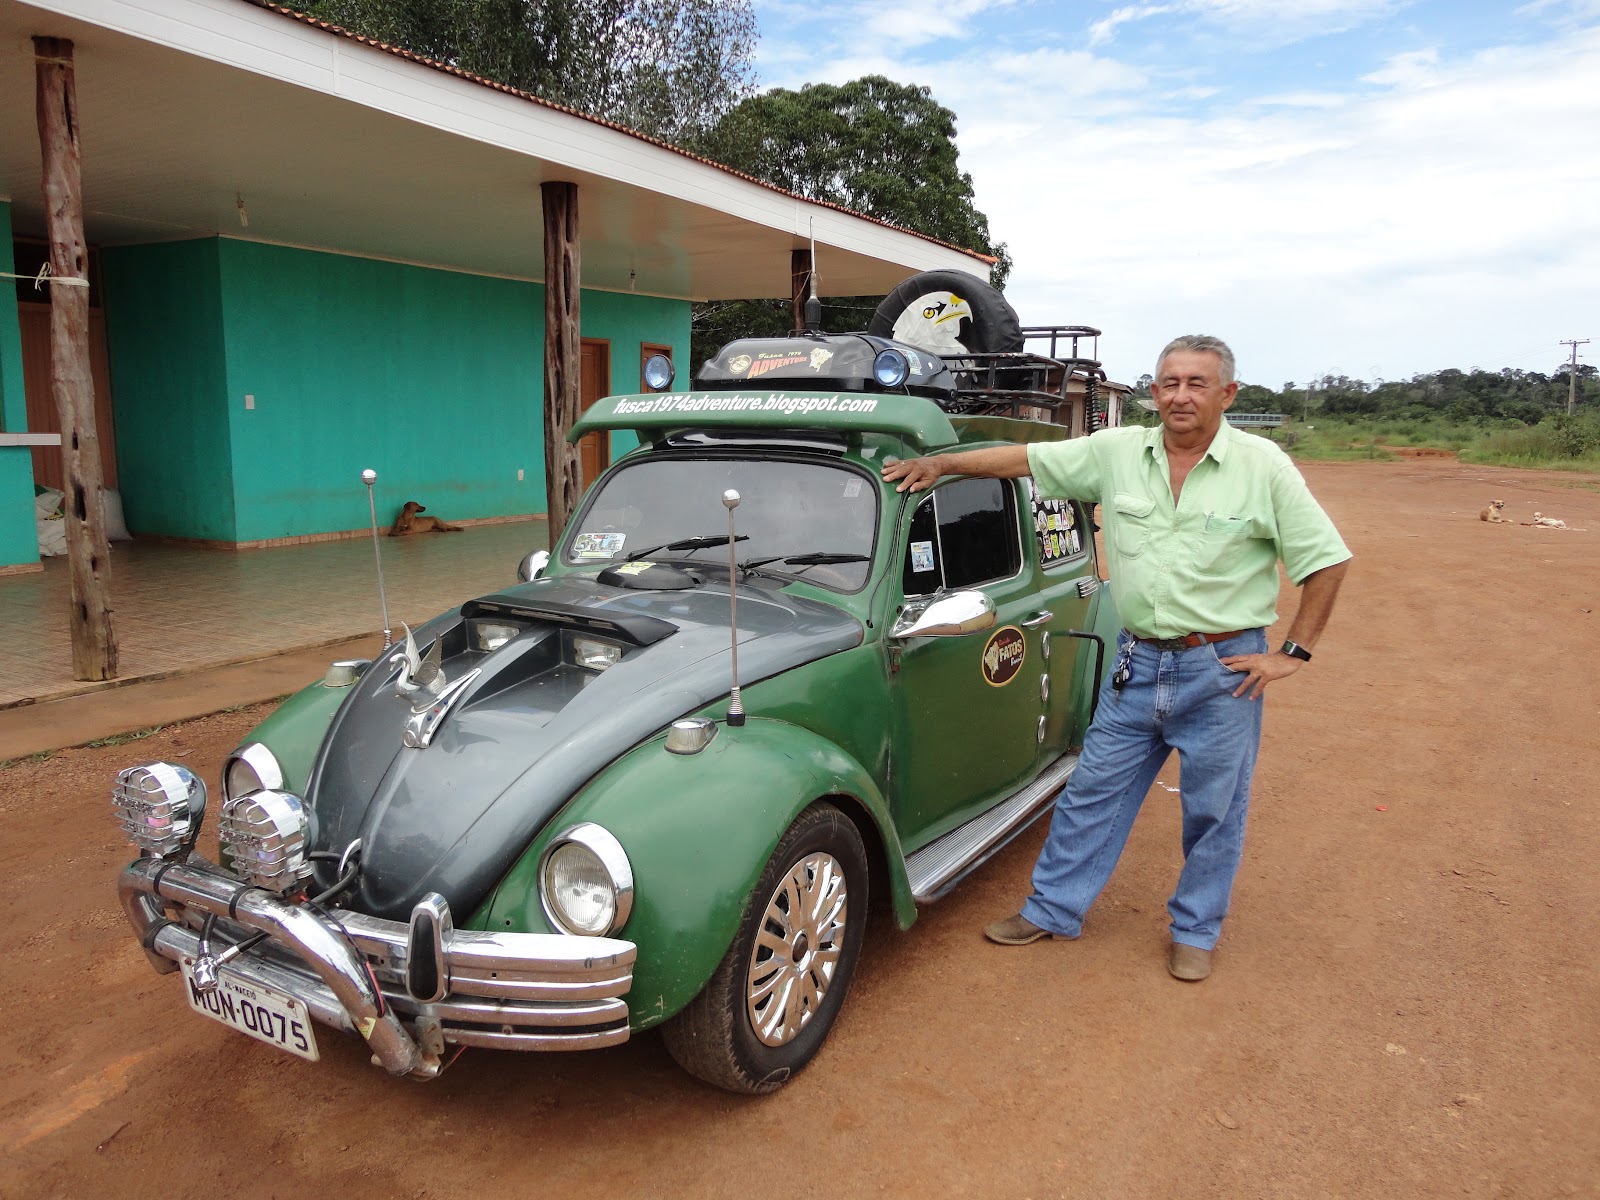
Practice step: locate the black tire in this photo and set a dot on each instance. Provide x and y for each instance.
(715, 1037)
(992, 327)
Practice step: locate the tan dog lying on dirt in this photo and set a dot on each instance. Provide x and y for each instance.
(1492, 513)
(409, 522)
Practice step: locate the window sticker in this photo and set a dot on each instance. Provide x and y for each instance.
(921, 556)
(1056, 527)
(852, 488)
(598, 545)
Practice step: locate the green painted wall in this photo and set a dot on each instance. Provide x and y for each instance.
(19, 539)
(432, 378)
(629, 322)
(163, 307)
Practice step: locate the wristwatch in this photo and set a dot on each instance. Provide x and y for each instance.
(1295, 650)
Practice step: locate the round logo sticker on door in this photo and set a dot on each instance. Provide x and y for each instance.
(1003, 655)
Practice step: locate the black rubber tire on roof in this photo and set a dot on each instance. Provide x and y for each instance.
(715, 1037)
(992, 327)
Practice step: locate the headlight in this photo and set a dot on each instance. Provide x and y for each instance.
(595, 656)
(586, 882)
(264, 833)
(159, 806)
(249, 769)
(491, 635)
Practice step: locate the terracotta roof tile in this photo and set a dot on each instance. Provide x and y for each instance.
(435, 64)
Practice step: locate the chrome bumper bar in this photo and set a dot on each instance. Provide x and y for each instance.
(510, 991)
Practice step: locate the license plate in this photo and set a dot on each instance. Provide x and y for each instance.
(263, 1013)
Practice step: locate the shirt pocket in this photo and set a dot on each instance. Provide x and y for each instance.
(1223, 543)
(1133, 523)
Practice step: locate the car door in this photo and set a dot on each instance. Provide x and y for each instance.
(966, 709)
(1063, 543)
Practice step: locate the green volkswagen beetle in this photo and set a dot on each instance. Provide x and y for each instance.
(751, 692)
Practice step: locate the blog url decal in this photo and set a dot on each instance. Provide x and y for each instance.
(775, 402)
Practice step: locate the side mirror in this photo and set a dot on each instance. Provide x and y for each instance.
(533, 566)
(950, 615)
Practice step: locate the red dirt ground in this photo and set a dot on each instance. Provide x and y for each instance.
(1406, 1001)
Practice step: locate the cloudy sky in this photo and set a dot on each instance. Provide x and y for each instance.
(1370, 187)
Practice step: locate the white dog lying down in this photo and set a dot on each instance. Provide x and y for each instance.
(1550, 522)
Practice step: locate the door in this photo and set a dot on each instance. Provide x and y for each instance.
(34, 323)
(1063, 540)
(594, 451)
(966, 709)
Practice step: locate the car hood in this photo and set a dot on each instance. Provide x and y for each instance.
(530, 729)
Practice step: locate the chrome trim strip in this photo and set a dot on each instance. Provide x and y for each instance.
(935, 868)
(490, 1039)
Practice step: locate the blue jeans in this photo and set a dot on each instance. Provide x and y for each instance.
(1175, 700)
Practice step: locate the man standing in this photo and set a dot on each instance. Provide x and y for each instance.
(1195, 518)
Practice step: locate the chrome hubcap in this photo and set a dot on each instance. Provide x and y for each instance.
(797, 949)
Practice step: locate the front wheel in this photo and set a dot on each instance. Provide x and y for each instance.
(771, 1001)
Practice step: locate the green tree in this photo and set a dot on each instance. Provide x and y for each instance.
(668, 68)
(886, 150)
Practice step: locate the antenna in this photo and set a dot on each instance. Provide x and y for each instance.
(370, 477)
(813, 305)
(730, 501)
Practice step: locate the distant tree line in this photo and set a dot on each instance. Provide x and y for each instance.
(1464, 397)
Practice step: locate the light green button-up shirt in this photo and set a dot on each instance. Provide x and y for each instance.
(1208, 563)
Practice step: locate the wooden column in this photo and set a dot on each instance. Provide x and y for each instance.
(94, 643)
(563, 352)
(799, 285)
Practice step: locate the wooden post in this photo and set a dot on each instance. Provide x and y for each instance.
(94, 643)
(563, 352)
(799, 285)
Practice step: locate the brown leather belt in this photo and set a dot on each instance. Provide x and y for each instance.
(1189, 640)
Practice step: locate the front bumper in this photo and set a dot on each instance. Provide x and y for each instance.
(507, 991)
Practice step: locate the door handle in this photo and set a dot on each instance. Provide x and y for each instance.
(1038, 618)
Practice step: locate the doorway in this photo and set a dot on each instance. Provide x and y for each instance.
(594, 451)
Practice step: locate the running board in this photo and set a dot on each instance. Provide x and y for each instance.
(936, 868)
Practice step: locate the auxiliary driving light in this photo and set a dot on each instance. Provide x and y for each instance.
(658, 372)
(264, 834)
(594, 655)
(159, 806)
(891, 368)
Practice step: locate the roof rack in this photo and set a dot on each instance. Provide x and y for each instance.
(1063, 387)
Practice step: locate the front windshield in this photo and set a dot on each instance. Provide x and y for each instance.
(786, 508)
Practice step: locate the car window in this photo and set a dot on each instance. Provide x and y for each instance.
(786, 507)
(1059, 527)
(963, 535)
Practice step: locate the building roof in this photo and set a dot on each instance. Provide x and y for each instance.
(244, 119)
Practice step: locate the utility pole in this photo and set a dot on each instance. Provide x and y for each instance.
(1572, 376)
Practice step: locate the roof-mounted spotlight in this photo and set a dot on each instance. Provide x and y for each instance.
(891, 368)
(658, 372)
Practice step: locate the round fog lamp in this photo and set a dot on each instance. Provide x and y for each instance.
(159, 806)
(658, 372)
(586, 882)
(264, 833)
(891, 368)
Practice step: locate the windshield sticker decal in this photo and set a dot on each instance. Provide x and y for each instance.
(852, 488)
(820, 358)
(773, 362)
(707, 402)
(1003, 656)
(598, 545)
(921, 556)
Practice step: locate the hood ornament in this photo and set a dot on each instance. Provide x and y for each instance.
(421, 679)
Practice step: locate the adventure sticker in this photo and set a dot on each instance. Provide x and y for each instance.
(768, 361)
(598, 545)
(1003, 655)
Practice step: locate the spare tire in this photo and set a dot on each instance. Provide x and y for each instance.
(948, 312)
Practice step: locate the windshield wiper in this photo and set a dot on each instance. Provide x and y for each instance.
(694, 543)
(805, 560)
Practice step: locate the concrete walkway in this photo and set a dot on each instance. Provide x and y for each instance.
(205, 630)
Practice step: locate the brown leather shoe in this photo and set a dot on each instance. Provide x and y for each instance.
(1015, 931)
(1189, 963)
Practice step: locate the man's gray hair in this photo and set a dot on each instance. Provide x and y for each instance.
(1200, 342)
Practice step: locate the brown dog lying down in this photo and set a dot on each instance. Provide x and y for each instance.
(409, 522)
